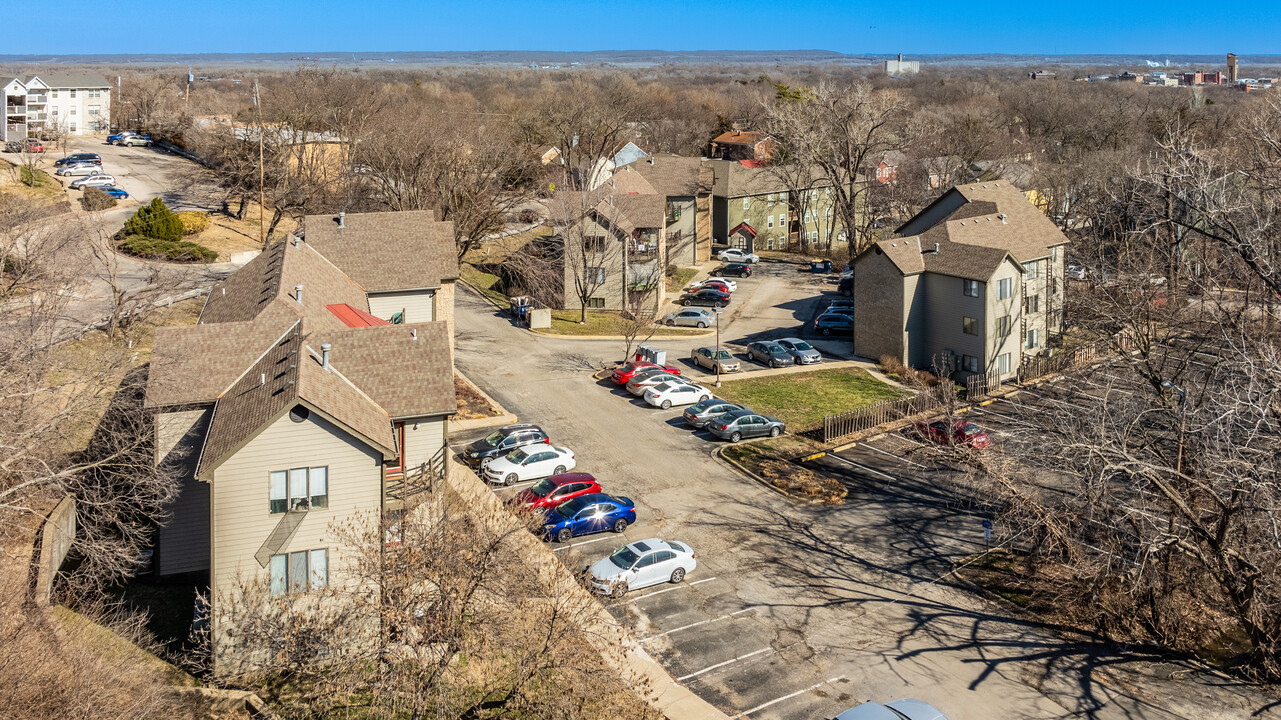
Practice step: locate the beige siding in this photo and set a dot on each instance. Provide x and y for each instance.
(241, 515)
(879, 306)
(418, 305)
(423, 438)
(948, 307)
(1036, 287)
(182, 542)
(444, 308)
(1010, 343)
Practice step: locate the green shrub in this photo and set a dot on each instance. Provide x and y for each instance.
(95, 199)
(155, 221)
(158, 249)
(193, 222)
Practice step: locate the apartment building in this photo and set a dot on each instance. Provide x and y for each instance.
(70, 103)
(754, 209)
(686, 185)
(971, 285)
(303, 400)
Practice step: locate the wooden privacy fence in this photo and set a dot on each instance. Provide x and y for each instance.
(866, 418)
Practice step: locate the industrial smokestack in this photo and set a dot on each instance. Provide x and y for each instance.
(324, 355)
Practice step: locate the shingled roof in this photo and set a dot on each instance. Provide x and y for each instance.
(255, 354)
(994, 214)
(674, 175)
(918, 254)
(387, 251)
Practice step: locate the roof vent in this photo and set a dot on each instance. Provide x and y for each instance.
(984, 187)
(324, 355)
(342, 217)
(413, 333)
(262, 379)
(295, 240)
(936, 247)
(650, 160)
(298, 293)
(1002, 216)
(997, 185)
(224, 292)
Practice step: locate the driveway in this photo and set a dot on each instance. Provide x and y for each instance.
(795, 611)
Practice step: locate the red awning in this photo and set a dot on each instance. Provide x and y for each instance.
(354, 317)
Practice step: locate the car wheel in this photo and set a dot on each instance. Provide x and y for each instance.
(669, 323)
(701, 324)
(846, 293)
(826, 331)
(667, 405)
(678, 574)
(560, 470)
(620, 589)
(736, 437)
(774, 431)
(685, 303)
(564, 535)
(510, 479)
(705, 398)
(620, 525)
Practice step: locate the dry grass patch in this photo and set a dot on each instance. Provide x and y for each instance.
(227, 235)
(471, 404)
(800, 482)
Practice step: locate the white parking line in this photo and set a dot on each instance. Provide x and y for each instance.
(1010, 418)
(678, 587)
(1047, 397)
(775, 701)
(862, 467)
(585, 542)
(903, 438)
(701, 622)
(683, 678)
(896, 457)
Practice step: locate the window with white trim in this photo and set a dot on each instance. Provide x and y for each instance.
(970, 288)
(747, 203)
(1003, 363)
(769, 221)
(298, 489)
(94, 110)
(299, 571)
(1033, 338)
(1004, 288)
(1003, 326)
(73, 94)
(1033, 269)
(1032, 303)
(782, 219)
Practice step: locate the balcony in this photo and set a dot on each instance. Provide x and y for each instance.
(401, 485)
(37, 117)
(37, 99)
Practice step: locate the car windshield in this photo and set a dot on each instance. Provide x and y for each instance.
(517, 456)
(971, 430)
(801, 345)
(624, 557)
(543, 488)
(724, 355)
(493, 438)
(571, 508)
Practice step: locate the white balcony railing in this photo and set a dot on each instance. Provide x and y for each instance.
(37, 99)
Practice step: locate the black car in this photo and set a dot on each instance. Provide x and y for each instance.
(78, 158)
(770, 354)
(839, 303)
(502, 441)
(741, 270)
(846, 287)
(834, 323)
(712, 298)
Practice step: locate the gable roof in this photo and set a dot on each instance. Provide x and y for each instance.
(745, 227)
(624, 211)
(71, 79)
(733, 179)
(994, 214)
(674, 175)
(387, 251)
(917, 254)
(739, 137)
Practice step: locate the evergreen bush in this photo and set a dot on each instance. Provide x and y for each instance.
(154, 221)
(194, 222)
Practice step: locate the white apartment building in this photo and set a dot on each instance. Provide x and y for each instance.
(75, 103)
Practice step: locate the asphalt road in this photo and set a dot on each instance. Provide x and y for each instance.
(795, 611)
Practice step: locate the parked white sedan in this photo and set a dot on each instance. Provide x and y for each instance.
(641, 564)
(738, 256)
(665, 395)
(700, 284)
(98, 180)
(530, 463)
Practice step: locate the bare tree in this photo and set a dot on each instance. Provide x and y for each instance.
(589, 244)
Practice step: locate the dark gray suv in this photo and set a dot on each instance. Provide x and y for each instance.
(502, 441)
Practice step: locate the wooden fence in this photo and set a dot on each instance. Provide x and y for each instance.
(866, 418)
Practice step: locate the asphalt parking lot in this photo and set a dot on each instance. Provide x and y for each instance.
(145, 173)
(795, 610)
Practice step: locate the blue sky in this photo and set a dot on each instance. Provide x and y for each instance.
(852, 26)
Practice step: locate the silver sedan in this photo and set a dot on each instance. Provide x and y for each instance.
(691, 317)
(802, 352)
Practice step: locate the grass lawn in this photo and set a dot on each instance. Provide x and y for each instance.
(679, 278)
(599, 322)
(802, 399)
(483, 281)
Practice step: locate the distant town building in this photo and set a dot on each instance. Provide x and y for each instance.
(1198, 77)
(1232, 68)
(70, 103)
(1127, 76)
(742, 145)
(901, 66)
(1041, 75)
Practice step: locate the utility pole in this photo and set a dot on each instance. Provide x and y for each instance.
(186, 99)
(262, 226)
(717, 355)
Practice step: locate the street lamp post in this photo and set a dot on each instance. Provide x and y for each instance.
(718, 345)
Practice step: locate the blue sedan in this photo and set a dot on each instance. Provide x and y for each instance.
(114, 192)
(588, 514)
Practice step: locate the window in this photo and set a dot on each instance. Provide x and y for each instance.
(595, 274)
(72, 111)
(95, 94)
(769, 243)
(969, 363)
(1033, 269)
(1054, 253)
(782, 220)
(1032, 303)
(813, 236)
(1004, 288)
(769, 222)
(73, 94)
(747, 203)
(970, 326)
(54, 111)
(1033, 340)
(298, 489)
(54, 94)
(809, 216)
(771, 197)
(93, 110)
(300, 571)
(72, 126)
(1003, 363)
(970, 288)
(595, 302)
(1003, 326)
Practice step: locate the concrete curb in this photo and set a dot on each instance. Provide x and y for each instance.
(716, 455)
(503, 418)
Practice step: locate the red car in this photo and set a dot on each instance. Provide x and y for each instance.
(954, 432)
(624, 374)
(552, 491)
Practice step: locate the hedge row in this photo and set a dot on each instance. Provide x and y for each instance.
(160, 249)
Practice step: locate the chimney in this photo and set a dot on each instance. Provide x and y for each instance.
(324, 355)
(298, 293)
(342, 217)
(900, 57)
